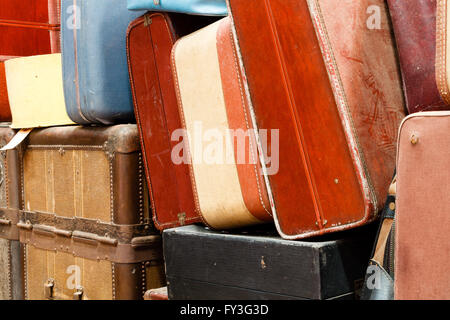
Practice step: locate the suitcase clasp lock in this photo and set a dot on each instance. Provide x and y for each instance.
(147, 21)
(78, 294)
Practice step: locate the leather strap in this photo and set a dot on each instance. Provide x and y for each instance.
(32, 25)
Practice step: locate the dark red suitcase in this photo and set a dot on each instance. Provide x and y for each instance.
(29, 27)
(150, 39)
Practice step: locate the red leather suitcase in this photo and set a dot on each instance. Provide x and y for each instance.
(419, 36)
(150, 39)
(5, 111)
(29, 27)
(324, 73)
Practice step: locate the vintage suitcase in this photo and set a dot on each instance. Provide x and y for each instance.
(35, 91)
(11, 270)
(198, 7)
(418, 34)
(423, 202)
(29, 27)
(5, 111)
(218, 142)
(85, 226)
(149, 46)
(258, 264)
(95, 73)
(328, 81)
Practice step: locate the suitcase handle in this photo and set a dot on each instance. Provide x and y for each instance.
(92, 237)
(145, 241)
(24, 225)
(5, 222)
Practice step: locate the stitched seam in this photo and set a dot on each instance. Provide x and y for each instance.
(113, 270)
(10, 280)
(441, 50)
(342, 104)
(111, 190)
(246, 123)
(187, 146)
(143, 278)
(141, 190)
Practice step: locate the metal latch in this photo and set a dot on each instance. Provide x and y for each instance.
(49, 288)
(78, 294)
(147, 20)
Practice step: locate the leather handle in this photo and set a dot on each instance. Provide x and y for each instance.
(24, 225)
(92, 237)
(145, 241)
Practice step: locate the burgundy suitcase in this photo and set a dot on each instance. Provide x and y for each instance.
(150, 39)
(420, 32)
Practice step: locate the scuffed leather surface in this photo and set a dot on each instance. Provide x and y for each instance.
(414, 25)
(199, 7)
(319, 188)
(99, 57)
(383, 290)
(5, 111)
(423, 202)
(5, 270)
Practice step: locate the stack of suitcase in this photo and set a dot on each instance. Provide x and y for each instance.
(180, 150)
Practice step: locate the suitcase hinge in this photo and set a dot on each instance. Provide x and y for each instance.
(147, 21)
(182, 218)
(49, 288)
(78, 294)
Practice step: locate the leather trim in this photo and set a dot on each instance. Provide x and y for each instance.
(441, 50)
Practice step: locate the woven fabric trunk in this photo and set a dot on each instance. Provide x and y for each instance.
(11, 284)
(85, 226)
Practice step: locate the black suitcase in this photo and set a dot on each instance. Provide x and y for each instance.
(258, 265)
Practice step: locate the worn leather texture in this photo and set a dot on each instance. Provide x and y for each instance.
(416, 43)
(11, 283)
(93, 173)
(228, 192)
(149, 48)
(423, 188)
(29, 27)
(197, 7)
(35, 91)
(5, 111)
(335, 95)
(96, 82)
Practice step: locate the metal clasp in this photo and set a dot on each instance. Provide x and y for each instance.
(49, 288)
(78, 294)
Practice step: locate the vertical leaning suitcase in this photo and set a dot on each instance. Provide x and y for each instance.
(149, 46)
(226, 178)
(423, 201)
(85, 226)
(11, 284)
(420, 46)
(29, 27)
(96, 82)
(328, 80)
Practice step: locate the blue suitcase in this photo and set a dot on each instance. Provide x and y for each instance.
(96, 82)
(199, 7)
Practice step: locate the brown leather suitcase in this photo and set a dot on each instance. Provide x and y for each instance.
(29, 27)
(325, 74)
(423, 202)
(150, 39)
(420, 38)
(218, 140)
(11, 270)
(85, 223)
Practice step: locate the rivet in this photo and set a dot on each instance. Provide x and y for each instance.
(325, 222)
(414, 139)
(392, 206)
(336, 181)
